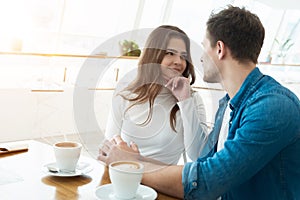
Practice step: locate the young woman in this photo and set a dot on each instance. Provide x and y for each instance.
(158, 109)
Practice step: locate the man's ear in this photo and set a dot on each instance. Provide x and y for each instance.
(221, 51)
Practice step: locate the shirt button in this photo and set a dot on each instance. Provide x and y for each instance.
(194, 184)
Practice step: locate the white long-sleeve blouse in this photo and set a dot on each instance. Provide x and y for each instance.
(156, 139)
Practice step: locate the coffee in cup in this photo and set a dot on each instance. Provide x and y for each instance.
(67, 154)
(125, 177)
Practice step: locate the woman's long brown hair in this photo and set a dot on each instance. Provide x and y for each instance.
(149, 80)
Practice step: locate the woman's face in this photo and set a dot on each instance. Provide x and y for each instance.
(174, 61)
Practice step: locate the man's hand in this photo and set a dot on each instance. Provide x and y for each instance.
(116, 149)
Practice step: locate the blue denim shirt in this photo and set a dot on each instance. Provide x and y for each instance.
(260, 159)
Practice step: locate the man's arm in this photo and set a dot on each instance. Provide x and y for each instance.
(167, 180)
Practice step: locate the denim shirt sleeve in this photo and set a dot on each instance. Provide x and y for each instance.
(190, 179)
(260, 129)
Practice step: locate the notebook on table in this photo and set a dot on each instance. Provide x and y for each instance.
(10, 147)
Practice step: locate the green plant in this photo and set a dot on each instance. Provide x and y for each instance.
(129, 48)
(284, 46)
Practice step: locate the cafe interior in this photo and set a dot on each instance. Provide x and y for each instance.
(60, 62)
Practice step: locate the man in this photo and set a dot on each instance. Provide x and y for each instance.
(260, 158)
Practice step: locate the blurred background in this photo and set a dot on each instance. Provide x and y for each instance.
(45, 43)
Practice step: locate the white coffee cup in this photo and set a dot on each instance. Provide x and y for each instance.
(125, 177)
(67, 154)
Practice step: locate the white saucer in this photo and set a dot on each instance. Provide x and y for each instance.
(81, 169)
(105, 192)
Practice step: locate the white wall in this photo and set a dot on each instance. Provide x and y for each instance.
(28, 115)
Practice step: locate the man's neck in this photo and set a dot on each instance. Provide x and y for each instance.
(234, 75)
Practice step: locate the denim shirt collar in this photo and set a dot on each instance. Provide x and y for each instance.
(224, 100)
(246, 88)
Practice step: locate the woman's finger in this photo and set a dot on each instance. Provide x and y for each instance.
(134, 146)
(105, 149)
(175, 82)
(113, 141)
(118, 139)
(102, 158)
(169, 83)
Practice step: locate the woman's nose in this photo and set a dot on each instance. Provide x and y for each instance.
(177, 59)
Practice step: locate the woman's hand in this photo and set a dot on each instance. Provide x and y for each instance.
(116, 149)
(180, 87)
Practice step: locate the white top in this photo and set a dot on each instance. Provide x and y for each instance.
(156, 139)
(224, 129)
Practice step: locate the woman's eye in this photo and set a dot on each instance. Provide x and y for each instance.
(169, 53)
(183, 57)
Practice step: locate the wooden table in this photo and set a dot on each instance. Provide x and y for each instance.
(22, 177)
